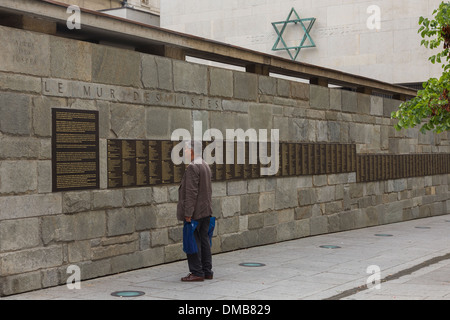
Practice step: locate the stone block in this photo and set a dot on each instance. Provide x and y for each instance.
(14, 207)
(15, 113)
(138, 197)
(228, 225)
(19, 234)
(267, 235)
(302, 228)
(70, 59)
(260, 117)
(78, 226)
(364, 103)
(304, 212)
(389, 106)
(237, 188)
(299, 90)
(255, 221)
(320, 180)
(185, 72)
(306, 196)
(50, 277)
(325, 194)
(286, 193)
(76, 201)
(319, 97)
(333, 131)
(19, 148)
(21, 83)
(271, 218)
(156, 72)
(231, 206)
(160, 194)
(318, 225)
(128, 121)
(105, 199)
(120, 221)
(159, 237)
(250, 238)
(393, 212)
(18, 176)
(376, 106)
(256, 185)
(355, 191)
(299, 129)
(243, 223)
(347, 219)
(31, 260)
(266, 201)
(155, 128)
(332, 207)
(267, 85)
(335, 99)
(44, 176)
(286, 231)
(233, 241)
(79, 251)
(163, 215)
(106, 69)
(342, 178)
(20, 283)
(396, 185)
(180, 119)
(349, 101)
(245, 86)
(24, 52)
(283, 88)
(220, 82)
(142, 216)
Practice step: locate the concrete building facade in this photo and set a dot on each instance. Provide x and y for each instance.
(346, 33)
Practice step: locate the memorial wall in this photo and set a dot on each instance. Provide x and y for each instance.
(86, 176)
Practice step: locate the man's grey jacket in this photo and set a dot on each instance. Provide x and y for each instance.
(195, 192)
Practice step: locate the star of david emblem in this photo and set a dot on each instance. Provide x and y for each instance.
(296, 19)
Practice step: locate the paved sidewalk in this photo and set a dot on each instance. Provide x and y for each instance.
(414, 263)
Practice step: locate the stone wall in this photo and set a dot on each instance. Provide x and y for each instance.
(140, 96)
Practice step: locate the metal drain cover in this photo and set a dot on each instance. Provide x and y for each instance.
(252, 264)
(127, 294)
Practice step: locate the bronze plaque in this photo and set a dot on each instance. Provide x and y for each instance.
(128, 163)
(339, 159)
(284, 148)
(179, 169)
(75, 150)
(239, 150)
(166, 162)
(142, 163)
(154, 162)
(247, 164)
(114, 163)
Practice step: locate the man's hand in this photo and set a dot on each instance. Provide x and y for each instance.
(188, 219)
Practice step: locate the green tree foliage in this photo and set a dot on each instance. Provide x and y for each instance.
(431, 107)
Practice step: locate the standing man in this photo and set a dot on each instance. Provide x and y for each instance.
(194, 202)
